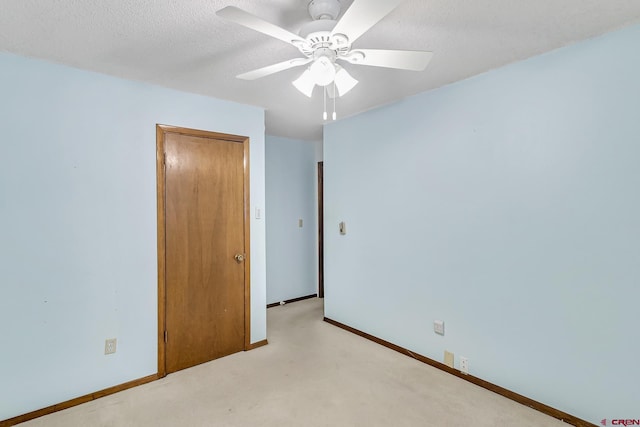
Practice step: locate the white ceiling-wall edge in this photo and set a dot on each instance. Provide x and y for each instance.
(310, 135)
(480, 75)
(569, 44)
(306, 135)
(186, 47)
(138, 81)
(310, 141)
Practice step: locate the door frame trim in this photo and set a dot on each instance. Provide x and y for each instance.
(161, 131)
(321, 229)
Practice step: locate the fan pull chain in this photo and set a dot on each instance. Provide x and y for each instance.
(335, 95)
(324, 115)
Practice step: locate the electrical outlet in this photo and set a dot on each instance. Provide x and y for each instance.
(464, 365)
(110, 346)
(438, 327)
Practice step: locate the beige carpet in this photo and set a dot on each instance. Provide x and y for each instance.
(310, 374)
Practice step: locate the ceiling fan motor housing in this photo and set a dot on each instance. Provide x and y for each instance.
(318, 35)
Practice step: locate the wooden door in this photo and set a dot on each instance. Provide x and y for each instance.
(205, 247)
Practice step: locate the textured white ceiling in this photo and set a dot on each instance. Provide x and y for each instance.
(184, 45)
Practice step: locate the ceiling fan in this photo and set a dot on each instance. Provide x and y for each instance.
(324, 41)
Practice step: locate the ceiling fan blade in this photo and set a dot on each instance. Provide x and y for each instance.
(362, 15)
(414, 60)
(272, 69)
(248, 20)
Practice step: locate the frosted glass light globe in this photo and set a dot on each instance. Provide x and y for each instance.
(323, 71)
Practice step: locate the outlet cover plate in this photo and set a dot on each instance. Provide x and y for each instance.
(110, 346)
(464, 365)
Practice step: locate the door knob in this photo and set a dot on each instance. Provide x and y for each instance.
(239, 258)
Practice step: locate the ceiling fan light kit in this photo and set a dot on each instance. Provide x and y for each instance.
(305, 83)
(324, 41)
(344, 81)
(323, 70)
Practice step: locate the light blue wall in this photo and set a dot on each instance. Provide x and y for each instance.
(78, 259)
(507, 205)
(291, 188)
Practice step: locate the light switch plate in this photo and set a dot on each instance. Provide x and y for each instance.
(438, 327)
(448, 358)
(343, 228)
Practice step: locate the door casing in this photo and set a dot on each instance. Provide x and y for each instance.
(320, 229)
(161, 131)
